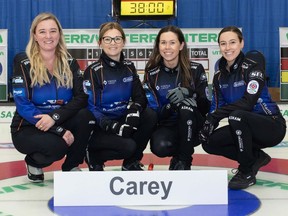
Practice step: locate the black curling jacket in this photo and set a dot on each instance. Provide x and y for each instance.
(243, 88)
(111, 85)
(161, 79)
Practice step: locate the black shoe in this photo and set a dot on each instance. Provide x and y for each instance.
(93, 166)
(242, 180)
(262, 160)
(35, 174)
(97, 167)
(173, 162)
(182, 165)
(134, 166)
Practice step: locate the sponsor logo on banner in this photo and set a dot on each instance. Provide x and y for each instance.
(3, 65)
(202, 46)
(6, 113)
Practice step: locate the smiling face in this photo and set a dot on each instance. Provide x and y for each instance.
(169, 48)
(112, 47)
(47, 35)
(230, 46)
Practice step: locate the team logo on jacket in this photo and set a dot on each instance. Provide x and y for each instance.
(154, 71)
(128, 79)
(256, 74)
(59, 129)
(109, 82)
(86, 84)
(239, 83)
(112, 64)
(252, 87)
(55, 116)
(203, 77)
(17, 80)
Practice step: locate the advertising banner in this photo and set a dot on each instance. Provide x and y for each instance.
(202, 45)
(3, 65)
(283, 64)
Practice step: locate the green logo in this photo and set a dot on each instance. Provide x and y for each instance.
(284, 113)
(6, 114)
(81, 38)
(1, 40)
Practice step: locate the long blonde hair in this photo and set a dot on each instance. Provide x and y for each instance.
(61, 69)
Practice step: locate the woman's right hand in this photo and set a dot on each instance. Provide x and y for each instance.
(68, 137)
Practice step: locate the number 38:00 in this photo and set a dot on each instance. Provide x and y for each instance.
(150, 8)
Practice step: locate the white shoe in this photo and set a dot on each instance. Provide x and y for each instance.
(35, 174)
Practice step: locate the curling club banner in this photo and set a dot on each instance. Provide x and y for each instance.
(3, 65)
(202, 46)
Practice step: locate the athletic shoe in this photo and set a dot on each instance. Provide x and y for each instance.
(97, 167)
(92, 165)
(262, 160)
(35, 174)
(173, 162)
(134, 166)
(75, 169)
(182, 165)
(242, 180)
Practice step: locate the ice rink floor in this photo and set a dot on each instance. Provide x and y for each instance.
(19, 197)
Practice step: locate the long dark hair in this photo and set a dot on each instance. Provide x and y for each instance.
(184, 61)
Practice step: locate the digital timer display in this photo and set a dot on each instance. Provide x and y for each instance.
(147, 8)
(143, 9)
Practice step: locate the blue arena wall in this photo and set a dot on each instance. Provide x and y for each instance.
(260, 21)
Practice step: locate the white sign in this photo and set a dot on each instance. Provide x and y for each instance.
(193, 187)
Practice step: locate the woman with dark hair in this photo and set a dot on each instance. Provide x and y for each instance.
(177, 90)
(240, 94)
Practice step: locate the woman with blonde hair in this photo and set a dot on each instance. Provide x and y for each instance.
(51, 120)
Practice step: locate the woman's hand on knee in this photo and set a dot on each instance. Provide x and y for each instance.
(68, 137)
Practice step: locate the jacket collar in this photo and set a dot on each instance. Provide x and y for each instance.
(237, 63)
(110, 62)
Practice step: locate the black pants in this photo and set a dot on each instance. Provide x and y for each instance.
(179, 138)
(44, 148)
(243, 137)
(104, 146)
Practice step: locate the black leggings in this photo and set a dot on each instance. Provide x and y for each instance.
(243, 137)
(105, 146)
(44, 148)
(180, 138)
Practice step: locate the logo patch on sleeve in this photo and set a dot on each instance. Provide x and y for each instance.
(252, 87)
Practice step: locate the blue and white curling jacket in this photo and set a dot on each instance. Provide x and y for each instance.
(159, 80)
(243, 88)
(60, 103)
(111, 85)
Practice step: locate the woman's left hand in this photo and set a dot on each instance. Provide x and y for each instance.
(45, 122)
